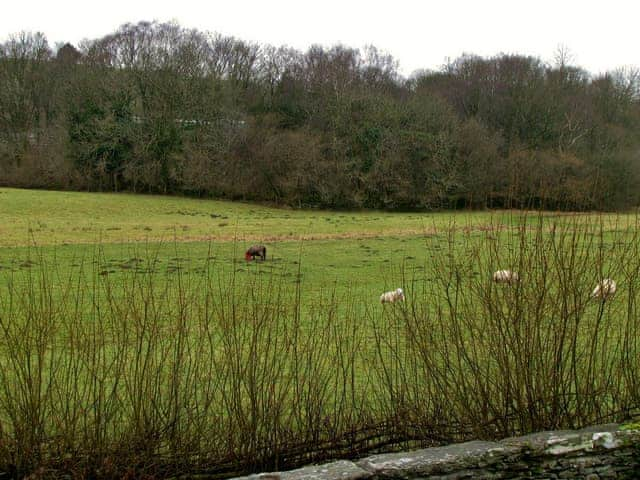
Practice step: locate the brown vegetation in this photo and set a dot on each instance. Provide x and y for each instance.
(150, 377)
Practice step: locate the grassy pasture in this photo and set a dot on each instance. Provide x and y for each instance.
(54, 218)
(363, 252)
(58, 218)
(128, 339)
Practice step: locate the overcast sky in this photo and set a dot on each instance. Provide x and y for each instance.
(600, 35)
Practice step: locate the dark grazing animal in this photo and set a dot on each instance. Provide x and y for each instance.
(256, 251)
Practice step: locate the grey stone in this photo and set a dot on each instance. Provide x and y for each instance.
(437, 460)
(586, 462)
(340, 470)
(595, 453)
(552, 442)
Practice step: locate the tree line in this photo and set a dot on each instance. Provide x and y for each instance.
(156, 107)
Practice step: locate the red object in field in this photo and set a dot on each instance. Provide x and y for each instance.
(247, 256)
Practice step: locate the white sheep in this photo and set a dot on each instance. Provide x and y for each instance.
(505, 276)
(393, 296)
(604, 289)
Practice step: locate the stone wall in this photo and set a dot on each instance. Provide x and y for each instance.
(594, 453)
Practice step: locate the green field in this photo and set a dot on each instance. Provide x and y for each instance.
(133, 332)
(361, 251)
(55, 218)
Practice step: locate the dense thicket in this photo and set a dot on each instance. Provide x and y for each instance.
(158, 108)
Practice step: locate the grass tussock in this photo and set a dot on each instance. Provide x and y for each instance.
(151, 376)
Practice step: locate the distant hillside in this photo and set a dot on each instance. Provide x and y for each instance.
(158, 108)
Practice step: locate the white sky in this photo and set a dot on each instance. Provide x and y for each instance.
(420, 34)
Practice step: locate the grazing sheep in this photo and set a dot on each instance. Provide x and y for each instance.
(392, 297)
(604, 289)
(505, 276)
(256, 251)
